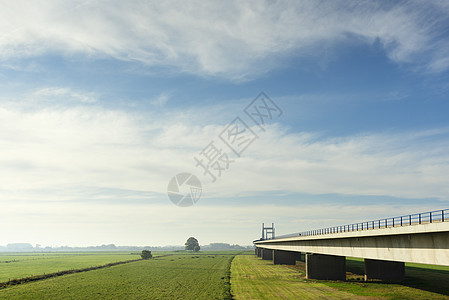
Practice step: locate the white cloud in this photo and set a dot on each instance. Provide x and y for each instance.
(66, 94)
(89, 169)
(161, 100)
(83, 146)
(93, 224)
(236, 40)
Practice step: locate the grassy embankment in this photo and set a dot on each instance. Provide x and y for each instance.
(253, 278)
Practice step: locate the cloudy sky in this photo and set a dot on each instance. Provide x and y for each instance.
(103, 102)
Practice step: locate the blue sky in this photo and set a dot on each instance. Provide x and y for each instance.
(101, 105)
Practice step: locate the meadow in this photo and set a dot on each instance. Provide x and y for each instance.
(177, 276)
(19, 265)
(254, 278)
(203, 275)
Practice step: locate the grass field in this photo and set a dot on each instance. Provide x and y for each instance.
(180, 276)
(203, 275)
(419, 280)
(254, 278)
(19, 265)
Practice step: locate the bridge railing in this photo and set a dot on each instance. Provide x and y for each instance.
(406, 220)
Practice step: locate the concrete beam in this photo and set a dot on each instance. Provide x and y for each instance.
(267, 254)
(326, 267)
(426, 243)
(284, 257)
(384, 270)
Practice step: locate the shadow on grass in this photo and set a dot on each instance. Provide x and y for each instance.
(423, 278)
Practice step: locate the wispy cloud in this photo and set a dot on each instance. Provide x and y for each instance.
(235, 40)
(94, 169)
(65, 94)
(161, 100)
(100, 224)
(81, 146)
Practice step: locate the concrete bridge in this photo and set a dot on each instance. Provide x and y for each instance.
(385, 245)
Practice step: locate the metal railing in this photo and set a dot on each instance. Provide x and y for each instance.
(406, 220)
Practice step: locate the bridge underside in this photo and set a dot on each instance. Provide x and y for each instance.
(333, 267)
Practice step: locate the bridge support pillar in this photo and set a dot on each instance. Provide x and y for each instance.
(281, 257)
(384, 270)
(267, 254)
(259, 252)
(327, 267)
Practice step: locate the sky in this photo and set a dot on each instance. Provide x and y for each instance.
(102, 103)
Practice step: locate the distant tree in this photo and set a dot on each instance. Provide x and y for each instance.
(192, 243)
(146, 254)
(196, 248)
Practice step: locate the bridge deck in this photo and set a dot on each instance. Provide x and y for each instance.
(424, 243)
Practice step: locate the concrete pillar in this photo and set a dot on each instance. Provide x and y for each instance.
(384, 270)
(267, 254)
(255, 251)
(259, 252)
(300, 256)
(281, 257)
(327, 267)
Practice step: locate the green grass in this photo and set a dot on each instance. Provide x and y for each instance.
(204, 275)
(254, 278)
(19, 265)
(421, 282)
(428, 277)
(180, 276)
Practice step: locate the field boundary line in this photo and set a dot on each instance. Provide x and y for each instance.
(228, 292)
